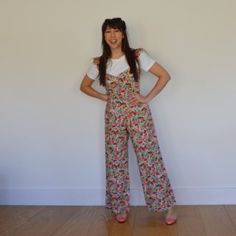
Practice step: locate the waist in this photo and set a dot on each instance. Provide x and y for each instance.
(121, 97)
(124, 104)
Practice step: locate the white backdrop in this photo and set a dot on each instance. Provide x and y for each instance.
(52, 135)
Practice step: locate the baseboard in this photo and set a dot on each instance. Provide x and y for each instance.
(76, 196)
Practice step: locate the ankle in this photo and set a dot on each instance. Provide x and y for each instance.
(171, 212)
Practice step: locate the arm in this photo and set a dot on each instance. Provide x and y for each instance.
(163, 78)
(86, 87)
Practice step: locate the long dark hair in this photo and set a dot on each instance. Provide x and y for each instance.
(130, 53)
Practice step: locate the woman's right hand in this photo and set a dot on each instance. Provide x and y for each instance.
(105, 97)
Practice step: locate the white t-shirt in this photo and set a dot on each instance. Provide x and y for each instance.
(117, 66)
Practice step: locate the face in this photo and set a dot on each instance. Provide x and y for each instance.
(113, 38)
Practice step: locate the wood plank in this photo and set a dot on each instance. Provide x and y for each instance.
(216, 221)
(189, 221)
(79, 223)
(102, 223)
(231, 211)
(47, 221)
(14, 216)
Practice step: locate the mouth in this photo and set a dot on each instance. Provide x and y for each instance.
(114, 41)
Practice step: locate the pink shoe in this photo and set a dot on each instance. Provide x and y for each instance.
(121, 218)
(170, 220)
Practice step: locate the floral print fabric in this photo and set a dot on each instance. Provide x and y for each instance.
(124, 120)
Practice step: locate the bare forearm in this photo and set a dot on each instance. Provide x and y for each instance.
(93, 93)
(160, 84)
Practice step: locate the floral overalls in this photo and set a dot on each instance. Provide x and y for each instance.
(124, 120)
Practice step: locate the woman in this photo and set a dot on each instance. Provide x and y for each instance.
(128, 115)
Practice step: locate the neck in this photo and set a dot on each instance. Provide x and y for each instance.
(116, 53)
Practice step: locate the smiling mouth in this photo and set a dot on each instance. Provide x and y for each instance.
(113, 41)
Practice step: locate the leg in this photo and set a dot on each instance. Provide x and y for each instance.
(158, 193)
(117, 175)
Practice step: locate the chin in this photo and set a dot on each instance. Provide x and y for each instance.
(115, 46)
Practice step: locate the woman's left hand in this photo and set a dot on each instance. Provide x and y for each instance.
(138, 98)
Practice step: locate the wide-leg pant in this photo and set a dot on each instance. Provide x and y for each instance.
(122, 122)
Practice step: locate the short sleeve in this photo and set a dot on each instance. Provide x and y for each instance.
(92, 71)
(145, 60)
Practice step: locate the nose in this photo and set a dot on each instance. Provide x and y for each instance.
(112, 33)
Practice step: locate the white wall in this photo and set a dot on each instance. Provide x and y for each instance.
(52, 135)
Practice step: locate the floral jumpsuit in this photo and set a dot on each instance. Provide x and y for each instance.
(124, 120)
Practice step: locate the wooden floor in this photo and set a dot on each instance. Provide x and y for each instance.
(204, 220)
